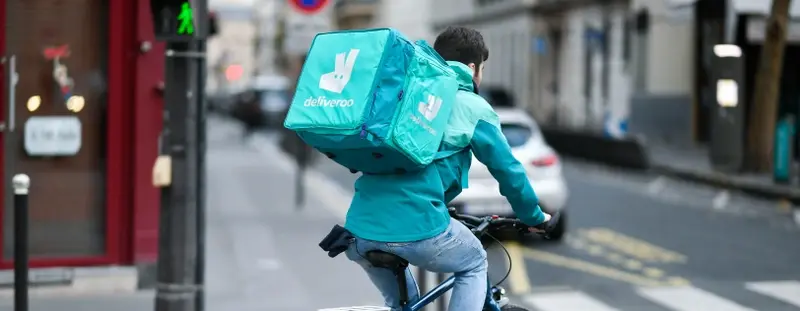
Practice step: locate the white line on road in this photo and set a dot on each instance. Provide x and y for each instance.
(655, 186)
(269, 264)
(721, 200)
(786, 291)
(797, 215)
(689, 298)
(566, 301)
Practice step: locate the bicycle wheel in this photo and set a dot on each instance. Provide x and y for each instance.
(512, 308)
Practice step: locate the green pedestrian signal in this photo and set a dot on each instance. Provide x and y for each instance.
(186, 19)
(182, 20)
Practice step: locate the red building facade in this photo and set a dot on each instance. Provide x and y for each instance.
(96, 206)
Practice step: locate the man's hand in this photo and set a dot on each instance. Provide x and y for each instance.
(546, 219)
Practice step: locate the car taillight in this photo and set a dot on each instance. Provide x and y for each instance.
(545, 161)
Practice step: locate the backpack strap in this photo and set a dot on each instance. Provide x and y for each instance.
(445, 153)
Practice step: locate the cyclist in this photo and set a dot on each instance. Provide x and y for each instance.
(406, 214)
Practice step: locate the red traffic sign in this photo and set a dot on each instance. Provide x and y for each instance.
(309, 6)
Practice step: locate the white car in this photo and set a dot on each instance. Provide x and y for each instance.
(482, 196)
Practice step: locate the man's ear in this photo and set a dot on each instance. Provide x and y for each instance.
(472, 66)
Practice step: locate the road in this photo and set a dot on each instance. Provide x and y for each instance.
(642, 242)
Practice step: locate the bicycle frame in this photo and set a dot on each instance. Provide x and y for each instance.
(441, 289)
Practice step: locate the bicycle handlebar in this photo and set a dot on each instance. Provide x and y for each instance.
(482, 224)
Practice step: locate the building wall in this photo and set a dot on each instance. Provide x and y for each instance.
(548, 77)
(507, 28)
(582, 84)
(267, 17)
(147, 114)
(669, 50)
(411, 17)
(509, 66)
(662, 107)
(234, 44)
(448, 11)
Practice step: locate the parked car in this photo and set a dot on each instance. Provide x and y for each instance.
(220, 103)
(274, 98)
(541, 162)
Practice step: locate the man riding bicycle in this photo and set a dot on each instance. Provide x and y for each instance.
(406, 214)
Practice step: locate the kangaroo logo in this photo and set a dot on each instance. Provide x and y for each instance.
(343, 68)
(430, 109)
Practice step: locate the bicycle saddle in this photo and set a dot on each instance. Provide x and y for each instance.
(386, 260)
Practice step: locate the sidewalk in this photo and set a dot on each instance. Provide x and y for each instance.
(262, 254)
(692, 163)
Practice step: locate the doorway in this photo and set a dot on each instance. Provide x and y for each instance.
(60, 52)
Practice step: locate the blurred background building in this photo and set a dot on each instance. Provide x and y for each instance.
(615, 68)
(232, 54)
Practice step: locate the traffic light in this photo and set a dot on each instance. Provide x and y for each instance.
(213, 27)
(176, 20)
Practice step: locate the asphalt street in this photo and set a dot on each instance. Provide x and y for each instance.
(642, 242)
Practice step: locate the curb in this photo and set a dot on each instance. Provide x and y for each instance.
(51, 282)
(774, 192)
(632, 154)
(628, 153)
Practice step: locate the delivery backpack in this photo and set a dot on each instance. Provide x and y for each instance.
(373, 101)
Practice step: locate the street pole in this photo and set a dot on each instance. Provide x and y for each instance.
(180, 167)
(761, 133)
(21, 183)
(177, 252)
(201, 179)
(300, 173)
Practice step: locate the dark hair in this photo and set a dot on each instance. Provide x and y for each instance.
(461, 44)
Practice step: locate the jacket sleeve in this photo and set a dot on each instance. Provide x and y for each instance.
(491, 148)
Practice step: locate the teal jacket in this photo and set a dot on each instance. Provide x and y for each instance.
(413, 206)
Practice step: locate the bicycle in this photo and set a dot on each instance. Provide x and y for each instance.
(496, 299)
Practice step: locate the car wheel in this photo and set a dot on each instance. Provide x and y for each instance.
(560, 229)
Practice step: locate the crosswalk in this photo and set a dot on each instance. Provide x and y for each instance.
(751, 296)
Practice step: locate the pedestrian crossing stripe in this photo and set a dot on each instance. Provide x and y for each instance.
(786, 291)
(689, 298)
(566, 301)
(676, 298)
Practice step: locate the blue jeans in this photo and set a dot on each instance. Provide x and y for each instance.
(456, 250)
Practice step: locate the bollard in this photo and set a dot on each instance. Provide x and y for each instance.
(21, 184)
(422, 281)
(441, 302)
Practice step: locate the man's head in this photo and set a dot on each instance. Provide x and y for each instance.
(464, 45)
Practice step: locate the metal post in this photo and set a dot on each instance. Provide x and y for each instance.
(300, 173)
(177, 251)
(441, 303)
(422, 281)
(21, 184)
(201, 174)
(201, 180)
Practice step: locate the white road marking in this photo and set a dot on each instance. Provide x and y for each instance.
(797, 215)
(655, 186)
(721, 200)
(269, 264)
(566, 301)
(689, 298)
(786, 291)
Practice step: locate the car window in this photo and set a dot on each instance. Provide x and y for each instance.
(274, 100)
(496, 97)
(517, 134)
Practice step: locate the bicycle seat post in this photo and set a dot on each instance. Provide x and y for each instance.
(400, 274)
